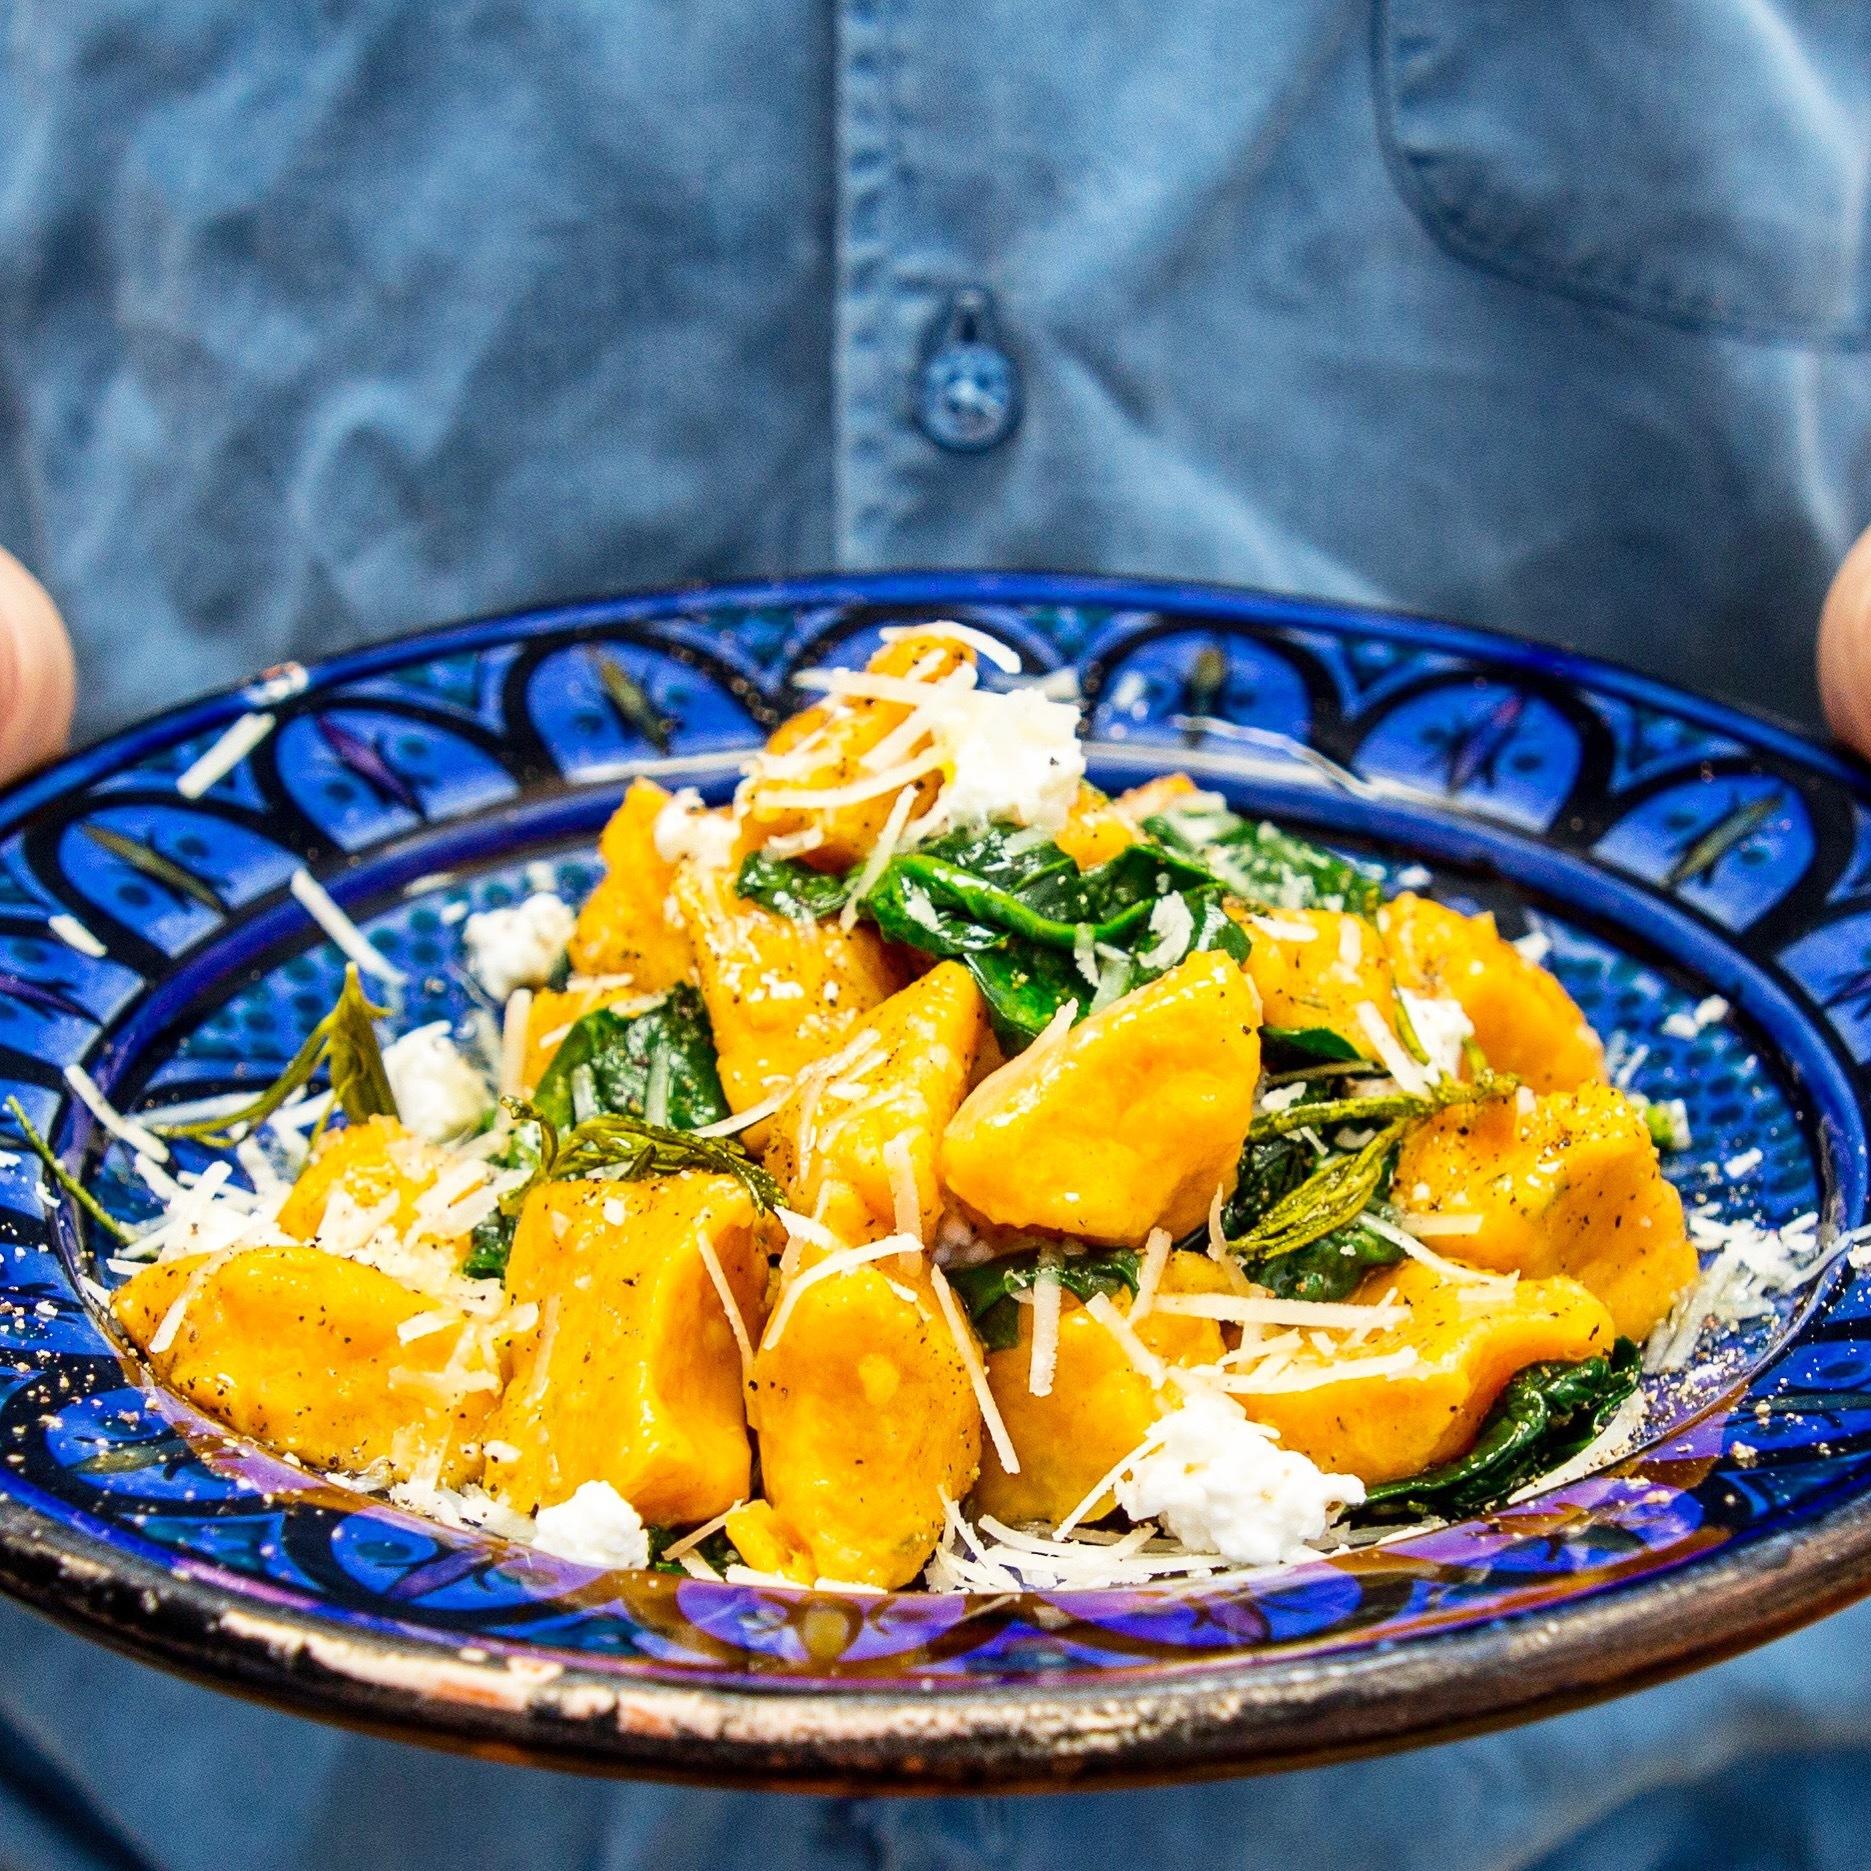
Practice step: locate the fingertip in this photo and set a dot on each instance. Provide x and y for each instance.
(38, 679)
(1845, 649)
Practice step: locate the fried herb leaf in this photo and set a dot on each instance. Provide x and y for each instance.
(345, 1043)
(29, 1134)
(1332, 1196)
(1264, 865)
(627, 1149)
(1382, 1108)
(988, 1290)
(1546, 1415)
(661, 1054)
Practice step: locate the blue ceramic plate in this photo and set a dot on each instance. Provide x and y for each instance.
(1670, 850)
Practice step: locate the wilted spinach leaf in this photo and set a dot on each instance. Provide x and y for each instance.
(988, 1290)
(1547, 1414)
(1288, 1048)
(1266, 866)
(1330, 1269)
(490, 1246)
(719, 1551)
(790, 888)
(663, 1054)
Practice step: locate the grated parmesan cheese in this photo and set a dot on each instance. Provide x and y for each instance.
(996, 652)
(1173, 925)
(348, 938)
(74, 934)
(1390, 1051)
(223, 755)
(1043, 1360)
(125, 1129)
(1150, 1272)
(970, 1354)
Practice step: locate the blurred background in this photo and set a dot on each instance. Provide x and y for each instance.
(319, 322)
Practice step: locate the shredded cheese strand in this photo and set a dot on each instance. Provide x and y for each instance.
(125, 1129)
(218, 760)
(1043, 1359)
(718, 1279)
(317, 903)
(1150, 1274)
(970, 1356)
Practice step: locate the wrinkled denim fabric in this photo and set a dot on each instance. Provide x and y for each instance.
(320, 323)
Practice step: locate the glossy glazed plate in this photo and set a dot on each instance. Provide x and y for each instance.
(1670, 850)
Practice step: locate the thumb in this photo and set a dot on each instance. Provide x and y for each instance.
(1845, 649)
(37, 680)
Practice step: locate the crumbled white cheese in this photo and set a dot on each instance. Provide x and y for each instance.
(1534, 946)
(1004, 756)
(1173, 925)
(686, 828)
(439, 1094)
(1705, 1013)
(596, 1527)
(1221, 1483)
(518, 946)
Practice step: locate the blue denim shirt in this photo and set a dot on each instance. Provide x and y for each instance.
(320, 323)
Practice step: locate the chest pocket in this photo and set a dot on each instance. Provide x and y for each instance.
(1702, 162)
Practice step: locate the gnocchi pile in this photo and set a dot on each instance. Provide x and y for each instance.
(925, 1168)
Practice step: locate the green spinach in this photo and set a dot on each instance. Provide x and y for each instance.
(790, 888)
(988, 1290)
(1016, 911)
(1329, 1269)
(1546, 1415)
(662, 1055)
(1265, 866)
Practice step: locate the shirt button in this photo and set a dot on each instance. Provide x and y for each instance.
(968, 390)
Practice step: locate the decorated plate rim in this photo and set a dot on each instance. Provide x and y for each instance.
(1260, 1712)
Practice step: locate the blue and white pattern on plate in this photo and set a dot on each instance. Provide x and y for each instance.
(1670, 850)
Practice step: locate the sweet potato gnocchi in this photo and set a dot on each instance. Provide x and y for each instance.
(925, 1159)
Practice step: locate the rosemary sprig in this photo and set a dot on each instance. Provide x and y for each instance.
(345, 1042)
(1337, 1192)
(628, 1149)
(1382, 1108)
(63, 1177)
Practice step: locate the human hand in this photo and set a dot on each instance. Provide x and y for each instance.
(1845, 649)
(37, 680)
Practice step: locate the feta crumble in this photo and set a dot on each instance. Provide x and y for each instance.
(439, 1094)
(1221, 1483)
(518, 946)
(686, 828)
(595, 1527)
(1015, 755)
(1173, 925)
